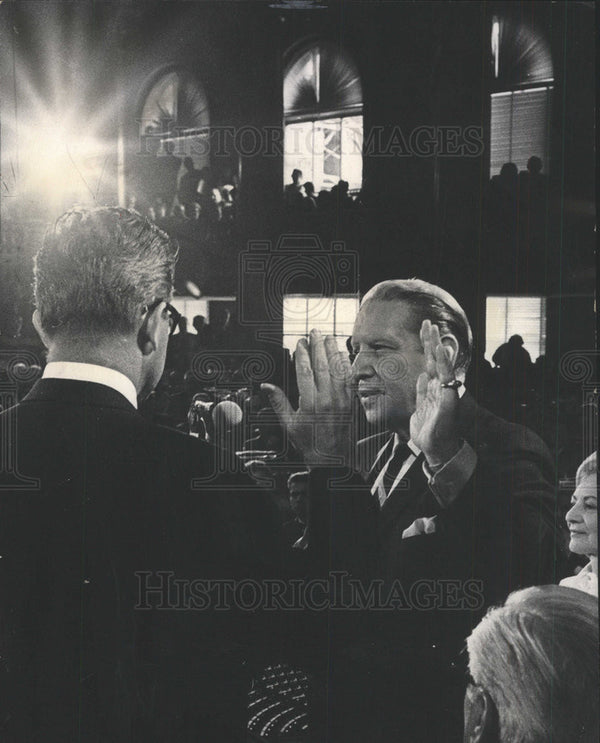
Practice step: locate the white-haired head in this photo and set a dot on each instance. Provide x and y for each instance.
(588, 467)
(537, 659)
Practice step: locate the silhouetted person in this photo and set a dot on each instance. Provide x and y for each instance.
(515, 364)
(310, 202)
(167, 170)
(199, 323)
(193, 210)
(344, 199)
(293, 194)
(180, 347)
(325, 200)
(188, 183)
(533, 188)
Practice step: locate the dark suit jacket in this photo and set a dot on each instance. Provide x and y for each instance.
(115, 496)
(502, 529)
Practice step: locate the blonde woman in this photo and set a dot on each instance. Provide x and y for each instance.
(582, 520)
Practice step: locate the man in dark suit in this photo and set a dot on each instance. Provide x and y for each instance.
(98, 641)
(462, 494)
(458, 508)
(456, 491)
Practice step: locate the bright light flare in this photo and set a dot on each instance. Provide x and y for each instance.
(60, 163)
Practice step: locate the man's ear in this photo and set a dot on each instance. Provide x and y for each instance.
(37, 324)
(449, 341)
(481, 717)
(149, 332)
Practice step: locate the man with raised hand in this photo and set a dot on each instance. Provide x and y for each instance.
(459, 494)
(444, 510)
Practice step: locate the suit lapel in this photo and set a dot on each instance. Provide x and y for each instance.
(409, 491)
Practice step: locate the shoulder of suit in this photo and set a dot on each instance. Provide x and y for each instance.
(487, 431)
(180, 440)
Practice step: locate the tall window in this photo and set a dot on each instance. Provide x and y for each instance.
(323, 123)
(331, 315)
(507, 316)
(520, 127)
(175, 109)
(521, 105)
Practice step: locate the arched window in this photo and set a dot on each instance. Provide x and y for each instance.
(522, 98)
(322, 106)
(175, 109)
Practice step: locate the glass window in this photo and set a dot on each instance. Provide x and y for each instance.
(521, 101)
(325, 151)
(323, 123)
(508, 316)
(520, 128)
(331, 315)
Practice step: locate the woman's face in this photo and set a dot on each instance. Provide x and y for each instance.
(582, 518)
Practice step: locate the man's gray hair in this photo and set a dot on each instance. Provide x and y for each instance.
(537, 658)
(429, 302)
(98, 268)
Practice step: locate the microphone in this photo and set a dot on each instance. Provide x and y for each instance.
(213, 422)
(226, 417)
(226, 414)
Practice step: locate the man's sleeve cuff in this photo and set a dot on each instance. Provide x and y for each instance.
(447, 482)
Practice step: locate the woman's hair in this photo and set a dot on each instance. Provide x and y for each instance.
(537, 658)
(589, 466)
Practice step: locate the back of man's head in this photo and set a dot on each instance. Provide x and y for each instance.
(537, 659)
(96, 271)
(428, 302)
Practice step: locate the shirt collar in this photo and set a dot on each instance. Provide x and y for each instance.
(79, 372)
(410, 443)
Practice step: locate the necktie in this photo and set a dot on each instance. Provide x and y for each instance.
(399, 456)
(391, 459)
(381, 462)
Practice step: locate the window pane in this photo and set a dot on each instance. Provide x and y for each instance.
(346, 310)
(320, 314)
(331, 149)
(290, 342)
(294, 314)
(520, 128)
(352, 145)
(508, 316)
(330, 315)
(325, 151)
(298, 148)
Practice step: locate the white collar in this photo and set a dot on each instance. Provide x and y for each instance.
(92, 373)
(410, 443)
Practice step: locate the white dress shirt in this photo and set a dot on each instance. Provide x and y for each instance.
(445, 483)
(79, 372)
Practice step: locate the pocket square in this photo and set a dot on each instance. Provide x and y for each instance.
(425, 525)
